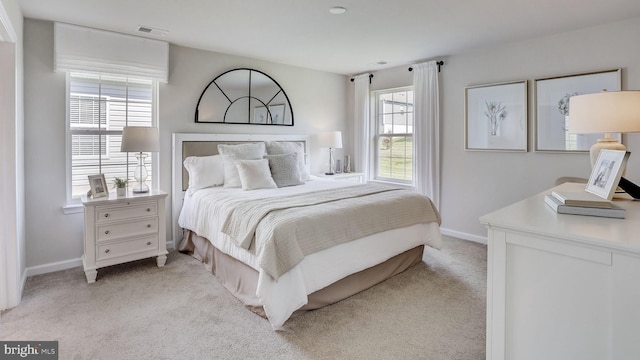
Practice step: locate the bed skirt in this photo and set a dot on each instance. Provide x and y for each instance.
(242, 280)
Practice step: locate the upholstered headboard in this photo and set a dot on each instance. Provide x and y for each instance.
(185, 145)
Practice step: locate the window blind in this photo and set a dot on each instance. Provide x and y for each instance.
(84, 49)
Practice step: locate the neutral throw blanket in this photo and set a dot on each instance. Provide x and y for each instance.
(281, 231)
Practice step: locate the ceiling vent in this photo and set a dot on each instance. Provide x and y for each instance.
(152, 31)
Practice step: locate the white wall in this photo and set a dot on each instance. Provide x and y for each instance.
(318, 100)
(475, 183)
(12, 201)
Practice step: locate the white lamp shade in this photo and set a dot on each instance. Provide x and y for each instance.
(140, 139)
(330, 139)
(605, 112)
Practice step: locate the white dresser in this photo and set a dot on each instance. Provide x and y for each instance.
(562, 287)
(122, 229)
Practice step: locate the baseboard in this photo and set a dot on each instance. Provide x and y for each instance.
(68, 264)
(23, 283)
(62, 265)
(51, 267)
(464, 236)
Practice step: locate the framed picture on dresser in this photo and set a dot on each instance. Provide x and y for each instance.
(606, 172)
(98, 186)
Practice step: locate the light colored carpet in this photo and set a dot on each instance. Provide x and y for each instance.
(434, 310)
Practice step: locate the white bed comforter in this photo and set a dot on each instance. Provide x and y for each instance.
(280, 298)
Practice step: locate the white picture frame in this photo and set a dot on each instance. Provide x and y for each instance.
(277, 114)
(552, 110)
(260, 115)
(496, 117)
(606, 172)
(98, 186)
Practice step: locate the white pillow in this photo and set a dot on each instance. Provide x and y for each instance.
(231, 153)
(255, 174)
(284, 169)
(204, 171)
(288, 147)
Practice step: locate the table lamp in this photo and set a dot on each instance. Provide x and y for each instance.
(331, 140)
(140, 139)
(606, 112)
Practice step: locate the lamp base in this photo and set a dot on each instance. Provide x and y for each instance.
(140, 189)
(140, 174)
(606, 143)
(330, 172)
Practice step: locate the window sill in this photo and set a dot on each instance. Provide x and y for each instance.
(404, 185)
(72, 209)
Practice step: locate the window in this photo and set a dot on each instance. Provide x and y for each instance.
(98, 108)
(393, 153)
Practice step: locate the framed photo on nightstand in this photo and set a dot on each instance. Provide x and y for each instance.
(98, 186)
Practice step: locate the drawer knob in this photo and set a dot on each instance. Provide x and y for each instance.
(106, 232)
(106, 215)
(107, 251)
(148, 242)
(148, 225)
(148, 209)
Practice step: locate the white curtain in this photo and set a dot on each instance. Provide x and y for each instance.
(78, 48)
(426, 132)
(361, 135)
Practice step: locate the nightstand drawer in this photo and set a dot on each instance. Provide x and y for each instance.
(125, 211)
(108, 251)
(127, 229)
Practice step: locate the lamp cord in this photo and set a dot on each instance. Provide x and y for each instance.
(630, 188)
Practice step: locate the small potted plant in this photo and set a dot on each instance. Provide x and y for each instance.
(121, 186)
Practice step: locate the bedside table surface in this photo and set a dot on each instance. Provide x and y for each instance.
(114, 199)
(340, 175)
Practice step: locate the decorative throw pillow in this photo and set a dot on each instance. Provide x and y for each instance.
(284, 169)
(204, 171)
(231, 153)
(288, 147)
(255, 174)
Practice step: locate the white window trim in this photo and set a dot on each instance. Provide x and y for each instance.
(373, 122)
(74, 206)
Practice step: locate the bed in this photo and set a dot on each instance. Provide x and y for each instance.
(287, 248)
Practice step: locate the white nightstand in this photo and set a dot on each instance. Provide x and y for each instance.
(123, 229)
(349, 177)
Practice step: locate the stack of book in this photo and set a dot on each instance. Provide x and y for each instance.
(582, 203)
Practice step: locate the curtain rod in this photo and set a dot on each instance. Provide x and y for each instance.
(439, 63)
(370, 76)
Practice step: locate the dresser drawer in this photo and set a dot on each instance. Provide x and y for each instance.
(125, 211)
(115, 230)
(112, 250)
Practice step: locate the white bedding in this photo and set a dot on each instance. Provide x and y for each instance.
(282, 297)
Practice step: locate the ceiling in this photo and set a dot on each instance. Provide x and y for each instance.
(303, 32)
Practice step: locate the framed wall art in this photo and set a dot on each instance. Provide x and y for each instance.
(260, 115)
(496, 117)
(552, 109)
(277, 114)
